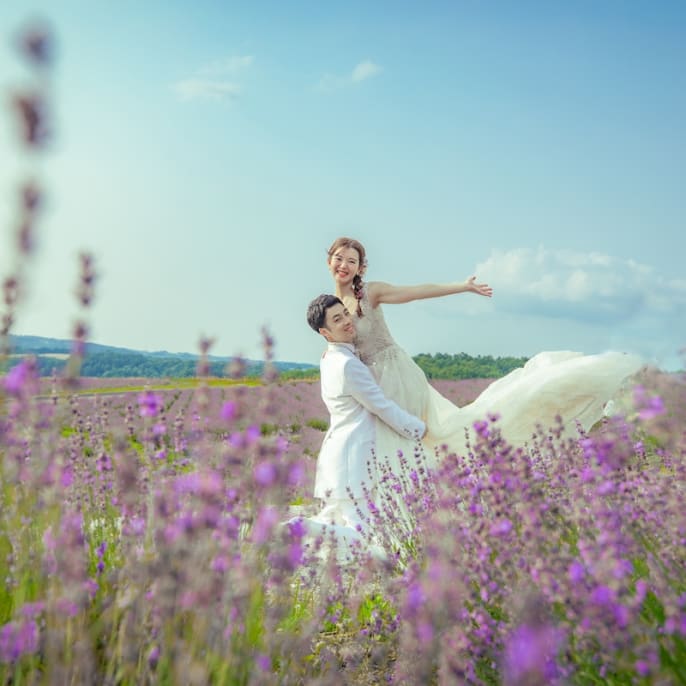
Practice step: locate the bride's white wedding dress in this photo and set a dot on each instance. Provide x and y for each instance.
(569, 384)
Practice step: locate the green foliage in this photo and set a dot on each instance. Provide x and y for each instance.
(374, 606)
(439, 366)
(309, 374)
(113, 364)
(267, 429)
(5, 591)
(463, 366)
(299, 609)
(336, 618)
(319, 424)
(136, 364)
(673, 657)
(151, 366)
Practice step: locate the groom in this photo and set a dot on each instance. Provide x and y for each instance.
(355, 401)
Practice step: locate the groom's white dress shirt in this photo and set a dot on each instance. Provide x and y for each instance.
(354, 400)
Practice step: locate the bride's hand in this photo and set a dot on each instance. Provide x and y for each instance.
(479, 288)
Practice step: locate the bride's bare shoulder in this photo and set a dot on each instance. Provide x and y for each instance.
(373, 291)
(376, 291)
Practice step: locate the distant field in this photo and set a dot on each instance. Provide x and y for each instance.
(54, 356)
(134, 384)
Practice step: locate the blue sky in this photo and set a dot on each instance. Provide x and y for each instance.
(208, 153)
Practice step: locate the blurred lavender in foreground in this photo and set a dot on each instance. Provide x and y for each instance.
(31, 109)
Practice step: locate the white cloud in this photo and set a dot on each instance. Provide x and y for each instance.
(205, 89)
(587, 287)
(361, 72)
(563, 300)
(210, 83)
(364, 70)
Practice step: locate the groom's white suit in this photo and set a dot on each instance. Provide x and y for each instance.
(353, 399)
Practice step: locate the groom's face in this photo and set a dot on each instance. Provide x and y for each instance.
(339, 327)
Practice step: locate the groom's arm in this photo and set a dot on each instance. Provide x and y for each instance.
(362, 386)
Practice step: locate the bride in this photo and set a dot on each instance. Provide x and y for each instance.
(571, 385)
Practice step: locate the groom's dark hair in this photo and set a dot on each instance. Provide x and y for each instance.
(316, 311)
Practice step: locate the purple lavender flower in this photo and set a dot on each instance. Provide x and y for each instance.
(135, 527)
(154, 656)
(641, 590)
(425, 632)
(530, 655)
(265, 523)
(236, 439)
(576, 572)
(17, 639)
(90, 586)
(603, 595)
(297, 528)
(649, 407)
(265, 473)
(415, 598)
(501, 527)
(149, 403)
(220, 564)
(264, 662)
(296, 473)
(67, 477)
(15, 379)
(252, 434)
(482, 429)
(642, 667)
(229, 410)
(606, 487)
(33, 610)
(295, 555)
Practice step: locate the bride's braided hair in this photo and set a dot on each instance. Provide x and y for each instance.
(358, 287)
(358, 284)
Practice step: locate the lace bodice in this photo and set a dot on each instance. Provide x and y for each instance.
(373, 337)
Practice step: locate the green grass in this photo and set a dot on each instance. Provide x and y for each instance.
(164, 385)
(319, 424)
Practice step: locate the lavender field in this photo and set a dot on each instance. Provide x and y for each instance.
(142, 542)
(145, 534)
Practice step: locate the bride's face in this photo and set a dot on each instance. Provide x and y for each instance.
(344, 265)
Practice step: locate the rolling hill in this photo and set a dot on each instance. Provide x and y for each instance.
(111, 361)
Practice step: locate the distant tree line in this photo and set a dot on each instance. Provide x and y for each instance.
(463, 366)
(110, 364)
(133, 364)
(444, 366)
(113, 365)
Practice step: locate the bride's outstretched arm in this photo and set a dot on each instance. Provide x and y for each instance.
(386, 293)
